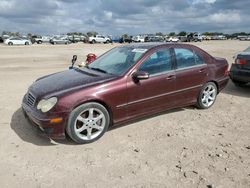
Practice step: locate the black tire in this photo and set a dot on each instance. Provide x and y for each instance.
(93, 41)
(10, 43)
(39, 42)
(70, 127)
(107, 41)
(200, 103)
(239, 83)
(26, 43)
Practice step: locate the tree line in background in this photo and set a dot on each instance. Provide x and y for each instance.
(93, 33)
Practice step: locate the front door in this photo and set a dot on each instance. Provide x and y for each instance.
(156, 92)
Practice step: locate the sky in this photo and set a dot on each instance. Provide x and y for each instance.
(117, 17)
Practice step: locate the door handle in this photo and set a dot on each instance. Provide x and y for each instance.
(201, 70)
(170, 77)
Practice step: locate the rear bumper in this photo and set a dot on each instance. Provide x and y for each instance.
(41, 122)
(237, 74)
(222, 82)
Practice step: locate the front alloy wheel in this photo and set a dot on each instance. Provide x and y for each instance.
(88, 122)
(207, 95)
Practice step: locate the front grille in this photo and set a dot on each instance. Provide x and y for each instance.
(31, 99)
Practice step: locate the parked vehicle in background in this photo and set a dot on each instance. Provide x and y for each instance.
(129, 81)
(138, 38)
(183, 38)
(172, 39)
(240, 69)
(218, 37)
(3, 38)
(99, 39)
(60, 40)
(76, 38)
(17, 41)
(116, 39)
(246, 38)
(41, 39)
(194, 37)
(154, 39)
(206, 37)
(197, 37)
(127, 39)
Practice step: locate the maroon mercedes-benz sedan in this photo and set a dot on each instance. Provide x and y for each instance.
(124, 83)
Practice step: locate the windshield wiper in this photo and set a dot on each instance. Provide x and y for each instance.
(97, 69)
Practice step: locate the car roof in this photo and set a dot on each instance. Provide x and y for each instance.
(151, 45)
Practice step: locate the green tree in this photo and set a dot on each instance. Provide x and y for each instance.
(182, 33)
(172, 34)
(91, 33)
(206, 33)
(159, 33)
(125, 35)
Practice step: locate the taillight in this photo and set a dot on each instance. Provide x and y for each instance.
(226, 72)
(240, 61)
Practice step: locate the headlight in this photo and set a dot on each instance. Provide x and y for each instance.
(46, 104)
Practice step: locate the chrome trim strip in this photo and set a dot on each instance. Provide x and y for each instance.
(222, 79)
(156, 96)
(162, 73)
(194, 66)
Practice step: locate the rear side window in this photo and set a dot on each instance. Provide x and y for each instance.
(158, 62)
(198, 59)
(184, 58)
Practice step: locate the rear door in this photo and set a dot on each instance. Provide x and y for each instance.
(191, 74)
(156, 92)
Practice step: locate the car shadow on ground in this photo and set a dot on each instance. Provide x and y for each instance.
(29, 133)
(240, 91)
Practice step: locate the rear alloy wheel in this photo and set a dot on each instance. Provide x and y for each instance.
(26, 43)
(207, 95)
(93, 41)
(88, 122)
(10, 43)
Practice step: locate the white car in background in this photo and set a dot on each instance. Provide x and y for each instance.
(99, 39)
(173, 39)
(139, 38)
(17, 41)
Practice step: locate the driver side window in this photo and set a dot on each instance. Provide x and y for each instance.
(159, 61)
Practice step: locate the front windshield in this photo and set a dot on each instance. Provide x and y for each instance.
(118, 60)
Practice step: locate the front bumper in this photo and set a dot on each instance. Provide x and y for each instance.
(43, 122)
(237, 74)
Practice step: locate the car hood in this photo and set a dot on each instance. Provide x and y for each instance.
(66, 81)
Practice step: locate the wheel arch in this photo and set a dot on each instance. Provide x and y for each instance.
(216, 83)
(100, 102)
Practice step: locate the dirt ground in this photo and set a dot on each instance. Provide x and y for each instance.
(185, 147)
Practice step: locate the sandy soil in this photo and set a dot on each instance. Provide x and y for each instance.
(185, 147)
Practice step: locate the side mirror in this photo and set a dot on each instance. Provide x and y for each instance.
(74, 58)
(73, 61)
(140, 75)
